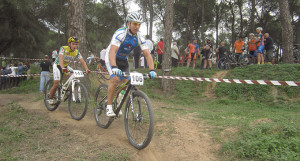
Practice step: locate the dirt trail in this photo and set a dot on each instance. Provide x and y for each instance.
(183, 139)
(209, 91)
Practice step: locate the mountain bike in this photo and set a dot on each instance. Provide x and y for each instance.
(73, 91)
(101, 73)
(138, 119)
(229, 61)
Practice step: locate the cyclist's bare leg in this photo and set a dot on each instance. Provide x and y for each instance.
(194, 64)
(209, 64)
(113, 84)
(188, 63)
(262, 58)
(54, 87)
(258, 58)
(205, 64)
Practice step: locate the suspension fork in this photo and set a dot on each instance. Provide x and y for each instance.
(73, 81)
(135, 117)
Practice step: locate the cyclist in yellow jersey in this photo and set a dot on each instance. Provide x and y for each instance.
(60, 65)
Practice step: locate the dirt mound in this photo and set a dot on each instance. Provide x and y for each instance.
(209, 91)
(176, 138)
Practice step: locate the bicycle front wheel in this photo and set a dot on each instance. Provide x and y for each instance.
(100, 107)
(56, 96)
(139, 120)
(78, 101)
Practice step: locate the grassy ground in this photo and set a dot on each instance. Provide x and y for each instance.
(28, 137)
(251, 122)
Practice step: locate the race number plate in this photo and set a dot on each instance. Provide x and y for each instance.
(137, 79)
(78, 73)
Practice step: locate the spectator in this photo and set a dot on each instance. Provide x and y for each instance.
(150, 47)
(175, 54)
(4, 72)
(203, 52)
(136, 56)
(13, 73)
(221, 51)
(192, 50)
(54, 55)
(160, 48)
(45, 74)
(252, 46)
(28, 70)
(269, 48)
(181, 60)
(209, 43)
(102, 56)
(21, 69)
(207, 57)
(260, 46)
(238, 48)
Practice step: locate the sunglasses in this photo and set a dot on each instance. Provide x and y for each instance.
(136, 23)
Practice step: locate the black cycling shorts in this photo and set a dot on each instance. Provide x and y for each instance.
(123, 65)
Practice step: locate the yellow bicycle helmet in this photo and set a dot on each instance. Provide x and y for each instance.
(73, 39)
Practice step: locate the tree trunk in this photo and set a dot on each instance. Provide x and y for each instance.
(287, 31)
(190, 19)
(202, 22)
(76, 27)
(252, 16)
(232, 23)
(297, 31)
(124, 9)
(151, 18)
(240, 5)
(217, 24)
(168, 84)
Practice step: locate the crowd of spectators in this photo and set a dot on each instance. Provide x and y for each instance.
(12, 74)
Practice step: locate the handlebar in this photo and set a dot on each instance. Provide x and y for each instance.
(127, 75)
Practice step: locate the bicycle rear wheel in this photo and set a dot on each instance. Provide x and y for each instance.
(224, 64)
(139, 120)
(78, 101)
(100, 107)
(56, 96)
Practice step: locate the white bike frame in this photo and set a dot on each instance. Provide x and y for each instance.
(74, 78)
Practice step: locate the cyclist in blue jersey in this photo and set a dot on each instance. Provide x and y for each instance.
(123, 42)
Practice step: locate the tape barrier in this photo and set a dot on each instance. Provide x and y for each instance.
(218, 80)
(238, 81)
(23, 75)
(19, 58)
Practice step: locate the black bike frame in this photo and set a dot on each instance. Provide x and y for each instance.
(128, 89)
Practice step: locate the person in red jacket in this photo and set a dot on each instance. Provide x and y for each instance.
(160, 48)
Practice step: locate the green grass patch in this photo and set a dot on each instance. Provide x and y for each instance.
(251, 130)
(251, 122)
(27, 137)
(25, 87)
(261, 93)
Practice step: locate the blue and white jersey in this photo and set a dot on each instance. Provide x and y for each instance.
(126, 43)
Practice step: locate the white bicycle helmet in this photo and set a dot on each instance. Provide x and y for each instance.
(251, 34)
(259, 28)
(134, 17)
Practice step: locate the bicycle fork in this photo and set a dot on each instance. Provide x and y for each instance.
(136, 116)
(76, 95)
